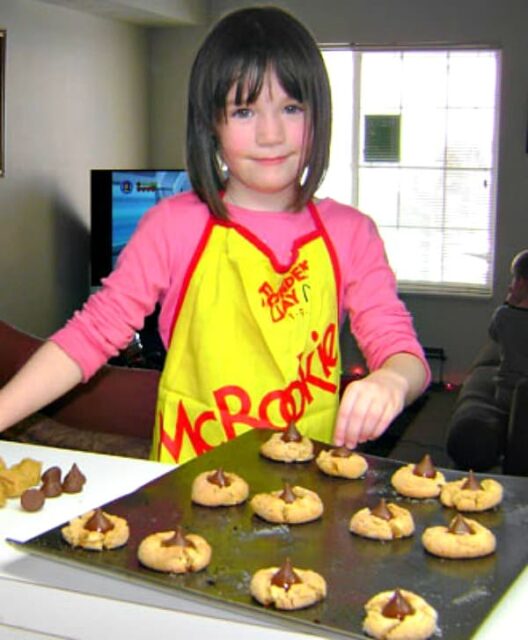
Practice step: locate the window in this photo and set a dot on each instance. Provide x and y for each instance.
(414, 146)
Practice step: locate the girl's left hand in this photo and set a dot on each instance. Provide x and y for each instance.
(368, 406)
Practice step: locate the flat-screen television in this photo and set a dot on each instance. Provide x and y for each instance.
(118, 200)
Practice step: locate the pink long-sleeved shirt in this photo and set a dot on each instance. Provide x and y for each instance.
(153, 266)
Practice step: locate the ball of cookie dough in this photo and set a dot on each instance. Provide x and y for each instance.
(174, 552)
(287, 588)
(399, 615)
(470, 494)
(288, 446)
(383, 522)
(463, 538)
(219, 488)
(96, 530)
(19, 477)
(291, 505)
(342, 462)
(421, 480)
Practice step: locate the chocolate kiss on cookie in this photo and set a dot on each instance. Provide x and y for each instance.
(397, 607)
(425, 468)
(287, 494)
(381, 510)
(99, 522)
(341, 452)
(291, 434)
(219, 478)
(459, 526)
(285, 577)
(471, 482)
(177, 540)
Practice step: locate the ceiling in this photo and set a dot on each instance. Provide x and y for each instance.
(143, 12)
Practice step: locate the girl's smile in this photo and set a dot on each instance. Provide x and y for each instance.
(263, 145)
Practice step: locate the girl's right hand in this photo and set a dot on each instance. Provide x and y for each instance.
(368, 407)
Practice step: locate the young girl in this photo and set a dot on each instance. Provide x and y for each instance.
(252, 275)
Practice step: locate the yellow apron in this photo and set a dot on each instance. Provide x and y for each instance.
(254, 344)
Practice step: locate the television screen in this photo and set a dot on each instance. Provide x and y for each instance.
(118, 200)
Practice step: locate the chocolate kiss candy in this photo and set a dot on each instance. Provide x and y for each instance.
(397, 607)
(381, 510)
(471, 482)
(32, 499)
(459, 526)
(425, 468)
(341, 452)
(177, 540)
(74, 480)
(51, 487)
(285, 577)
(219, 478)
(287, 495)
(99, 522)
(291, 434)
(52, 474)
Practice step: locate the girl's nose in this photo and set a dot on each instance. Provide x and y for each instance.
(270, 129)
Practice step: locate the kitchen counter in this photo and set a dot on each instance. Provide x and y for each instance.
(74, 603)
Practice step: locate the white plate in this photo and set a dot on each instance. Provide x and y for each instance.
(108, 478)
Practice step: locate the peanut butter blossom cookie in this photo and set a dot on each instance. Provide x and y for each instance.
(291, 505)
(96, 530)
(463, 538)
(219, 488)
(287, 588)
(288, 446)
(174, 552)
(420, 480)
(382, 522)
(342, 462)
(470, 494)
(399, 615)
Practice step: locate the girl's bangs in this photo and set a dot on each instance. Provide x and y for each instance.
(249, 78)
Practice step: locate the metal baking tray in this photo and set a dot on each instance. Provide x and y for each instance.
(462, 591)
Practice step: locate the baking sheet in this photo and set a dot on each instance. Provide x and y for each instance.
(463, 591)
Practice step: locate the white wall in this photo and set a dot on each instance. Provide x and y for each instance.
(172, 51)
(458, 325)
(76, 99)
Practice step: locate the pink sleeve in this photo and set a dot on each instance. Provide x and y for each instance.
(379, 320)
(111, 316)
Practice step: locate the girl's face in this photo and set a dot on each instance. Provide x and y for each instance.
(264, 146)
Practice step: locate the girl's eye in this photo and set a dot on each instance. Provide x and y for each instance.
(294, 108)
(242, 113)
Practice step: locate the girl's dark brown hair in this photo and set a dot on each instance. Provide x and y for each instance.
(240, 50)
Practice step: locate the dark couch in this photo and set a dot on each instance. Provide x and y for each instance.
(480, 436)
(113, 413)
